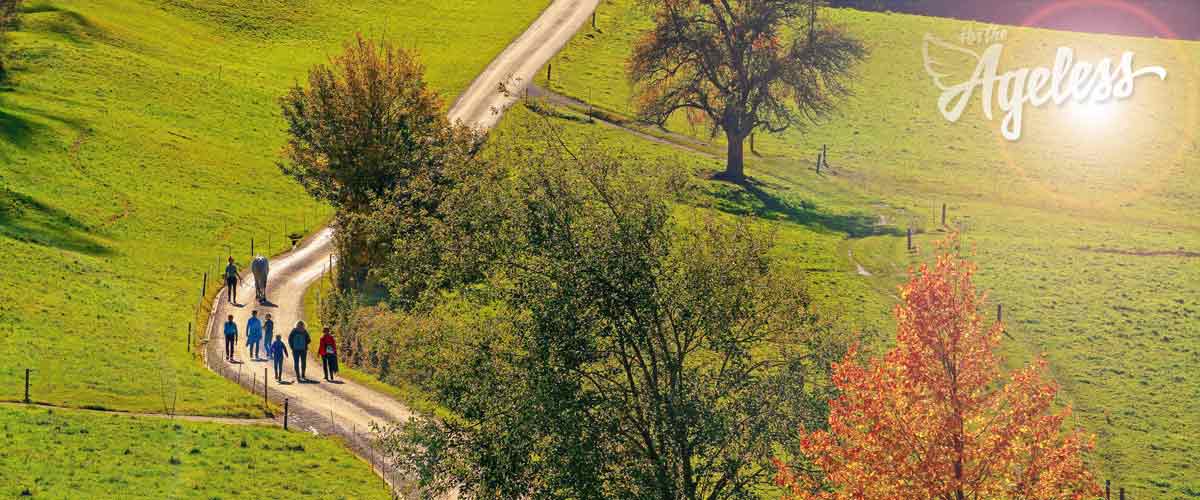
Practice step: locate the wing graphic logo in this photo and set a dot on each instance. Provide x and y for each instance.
(1010, 91)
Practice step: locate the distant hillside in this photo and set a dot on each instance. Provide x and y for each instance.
(1083, 228)
(1147, 18)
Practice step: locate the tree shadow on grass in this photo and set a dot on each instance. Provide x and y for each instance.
(16, 130)
(69, 24)
(749, 198)
(23, 126)
(23, 218)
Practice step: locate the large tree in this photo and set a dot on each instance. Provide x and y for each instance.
(368, 136)
(742, 65)
(629, 354)
(932, 418)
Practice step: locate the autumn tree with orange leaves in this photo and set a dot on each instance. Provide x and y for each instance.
(932, 419)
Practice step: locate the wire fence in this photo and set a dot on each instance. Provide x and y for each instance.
(293, 414)
(304, 416)
(299, 415)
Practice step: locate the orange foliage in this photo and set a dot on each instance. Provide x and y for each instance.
(931, 419)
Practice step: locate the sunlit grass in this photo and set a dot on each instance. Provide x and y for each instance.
(57, 453)
(138, 142)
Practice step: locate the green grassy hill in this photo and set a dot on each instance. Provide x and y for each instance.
(60, 453)
(138, 142)
(1085, 229)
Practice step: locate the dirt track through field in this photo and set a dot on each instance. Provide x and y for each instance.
(482, 104)
(347, 408)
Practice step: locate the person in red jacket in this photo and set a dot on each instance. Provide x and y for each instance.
(328, 351)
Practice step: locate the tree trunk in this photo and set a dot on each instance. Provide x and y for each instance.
(734, 159)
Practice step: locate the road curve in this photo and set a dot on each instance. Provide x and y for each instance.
(347, 408)
(482, 104)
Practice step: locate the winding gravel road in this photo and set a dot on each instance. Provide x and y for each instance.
(482, 105)
(347, 408)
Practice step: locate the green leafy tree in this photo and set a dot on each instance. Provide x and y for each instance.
(741, 66)
(369, 137)
(632, 352)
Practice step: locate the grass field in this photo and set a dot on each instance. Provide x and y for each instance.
(1085, 229)
(138, 142)
(139, 145)
(45, 452)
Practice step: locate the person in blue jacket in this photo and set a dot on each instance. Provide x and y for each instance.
(231, 333)
(254, 331)
(277, 352)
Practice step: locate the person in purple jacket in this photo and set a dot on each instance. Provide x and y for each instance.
(277, 352)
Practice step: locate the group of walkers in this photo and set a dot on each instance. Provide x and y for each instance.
(261, 338)
(260, 335)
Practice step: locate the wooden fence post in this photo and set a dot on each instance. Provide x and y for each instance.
(27, 385)
(943, 214)
(189, 344)
(999, 313)
(1107, 489)
(251, 247)
(1122, 490)
(910, 239)
(285, 414)
(204, 285)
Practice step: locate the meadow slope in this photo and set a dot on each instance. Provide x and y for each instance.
(138, 142)
(1085, 229)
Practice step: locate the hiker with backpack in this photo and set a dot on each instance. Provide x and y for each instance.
(299, 340)
(328, 351)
